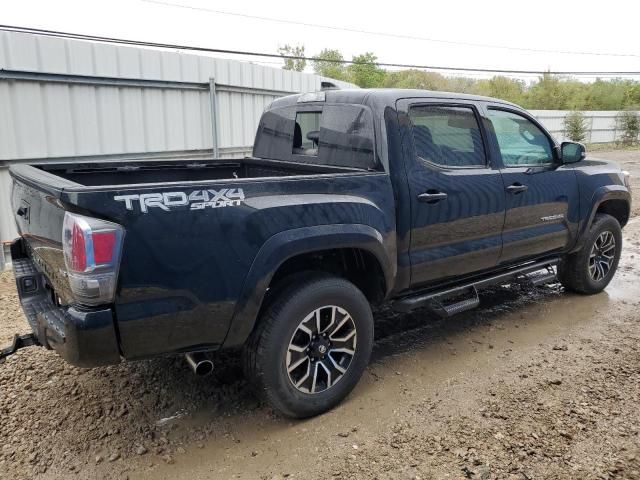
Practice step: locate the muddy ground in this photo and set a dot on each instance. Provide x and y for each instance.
(537, 383)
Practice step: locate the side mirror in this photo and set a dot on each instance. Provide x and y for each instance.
(572, 152)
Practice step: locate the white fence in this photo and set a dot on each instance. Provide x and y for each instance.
(602, 126)
(63, 98)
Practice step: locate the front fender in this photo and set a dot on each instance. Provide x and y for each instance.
(287, 244)
(601, 195)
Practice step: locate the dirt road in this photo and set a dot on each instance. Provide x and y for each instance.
(536, 383)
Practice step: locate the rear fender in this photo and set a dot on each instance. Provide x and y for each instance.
(291, 243)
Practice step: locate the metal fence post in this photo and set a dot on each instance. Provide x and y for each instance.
(214, 116)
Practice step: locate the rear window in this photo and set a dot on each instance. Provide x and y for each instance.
(306, 133)
(335, 135)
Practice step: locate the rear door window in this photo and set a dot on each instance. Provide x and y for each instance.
(447, 135)
(346, 137)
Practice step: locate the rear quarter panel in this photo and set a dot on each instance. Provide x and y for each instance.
(183, 270)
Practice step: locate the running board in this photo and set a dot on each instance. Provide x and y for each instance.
(435, 298)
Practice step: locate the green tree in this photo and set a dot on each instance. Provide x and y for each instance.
(575, 126)
(364, 72)
(420, 79)
(502, 87)
(295, 64)
(462, 85)
(328, 64)
(576, 93)
(606, 94)
(547, 94)
(632, 95)
(415, 79)
(629, 123)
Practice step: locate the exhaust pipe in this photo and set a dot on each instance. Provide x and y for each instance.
(199, 363)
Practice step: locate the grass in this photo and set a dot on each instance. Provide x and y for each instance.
(598, 147)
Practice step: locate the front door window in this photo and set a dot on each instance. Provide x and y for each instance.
(521, 142)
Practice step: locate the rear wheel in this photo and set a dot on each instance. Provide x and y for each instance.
(311, 346)
(591, 269)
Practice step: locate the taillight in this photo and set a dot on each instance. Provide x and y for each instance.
(92, 256)
(78, 257)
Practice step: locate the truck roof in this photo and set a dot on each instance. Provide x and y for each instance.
(383, 96)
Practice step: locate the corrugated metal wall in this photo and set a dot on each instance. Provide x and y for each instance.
(54, 120)
(66, 98)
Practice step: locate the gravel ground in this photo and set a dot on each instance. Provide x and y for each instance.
(536, 383)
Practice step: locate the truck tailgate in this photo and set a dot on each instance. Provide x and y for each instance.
(39, 215)
(84, 337)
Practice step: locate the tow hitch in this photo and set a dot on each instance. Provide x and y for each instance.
(19, 341)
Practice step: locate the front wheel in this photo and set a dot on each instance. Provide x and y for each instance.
(590, 269)
(311, 346)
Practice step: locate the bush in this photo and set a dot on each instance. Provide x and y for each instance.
(629, 123)
(575, 126)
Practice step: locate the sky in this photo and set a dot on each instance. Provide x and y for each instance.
(605, 28)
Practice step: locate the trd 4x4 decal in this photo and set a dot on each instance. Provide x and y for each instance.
(196, 200)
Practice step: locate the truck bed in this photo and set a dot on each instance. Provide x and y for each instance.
(164, 171)
(193, 231)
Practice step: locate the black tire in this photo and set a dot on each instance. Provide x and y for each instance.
(268, 350)
(574, 271)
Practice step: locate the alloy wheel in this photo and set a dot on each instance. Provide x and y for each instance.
(321, 349)
(602, 256)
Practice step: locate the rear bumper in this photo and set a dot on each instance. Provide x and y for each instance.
(85, 338)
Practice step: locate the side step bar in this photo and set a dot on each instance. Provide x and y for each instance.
(468, 291)
(540, 279)
(451, 309)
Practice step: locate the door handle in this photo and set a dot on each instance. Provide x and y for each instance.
(432, 196)
(517, 188)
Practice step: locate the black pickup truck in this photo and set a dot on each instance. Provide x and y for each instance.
(352, 198)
